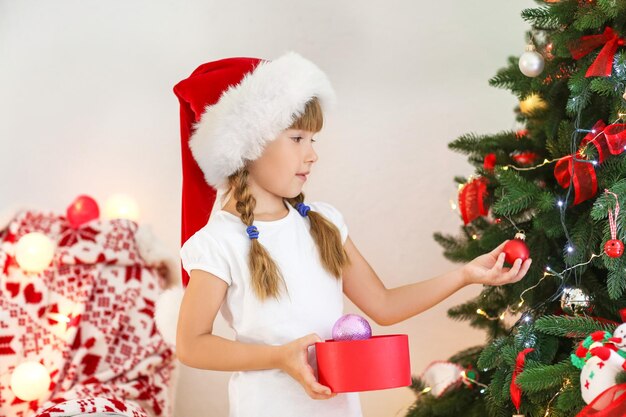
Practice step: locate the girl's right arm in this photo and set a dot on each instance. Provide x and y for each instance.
(197, 347)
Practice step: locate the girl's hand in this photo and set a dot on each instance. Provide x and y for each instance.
(293, 361)
(487, 269)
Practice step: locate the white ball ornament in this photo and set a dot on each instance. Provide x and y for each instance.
(34, 252)
(30, 381)
(531, 62)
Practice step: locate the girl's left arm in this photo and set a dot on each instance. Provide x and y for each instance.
(387, 306)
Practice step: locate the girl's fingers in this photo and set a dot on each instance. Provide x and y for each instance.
(315, 386)
(514, 269)
(499, 262)
(524, 269)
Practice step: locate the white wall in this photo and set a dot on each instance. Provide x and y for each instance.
(87, 107)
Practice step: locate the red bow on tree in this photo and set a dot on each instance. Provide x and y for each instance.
(607, 140)
(603, 64)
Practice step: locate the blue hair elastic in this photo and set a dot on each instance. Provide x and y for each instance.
(303, 209)
(253, 233)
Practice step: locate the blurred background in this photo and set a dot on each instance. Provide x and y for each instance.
(87, 108)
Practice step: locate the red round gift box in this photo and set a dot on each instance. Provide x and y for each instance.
(379, 362)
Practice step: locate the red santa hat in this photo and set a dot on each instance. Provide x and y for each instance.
(230, 109)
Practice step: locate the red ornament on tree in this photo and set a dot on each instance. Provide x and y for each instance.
(82, 210)
(521, 133)
(614, 247)
(473, 201)
(524, 158)
(516, 248)
(489, 163)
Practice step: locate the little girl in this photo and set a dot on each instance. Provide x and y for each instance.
(275, 267)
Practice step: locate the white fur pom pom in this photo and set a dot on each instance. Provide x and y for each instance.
(155, 254)
(150, 248)
(166, 313)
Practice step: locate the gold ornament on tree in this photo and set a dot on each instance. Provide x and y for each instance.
(531, 103)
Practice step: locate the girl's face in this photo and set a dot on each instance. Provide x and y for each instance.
(276, 170)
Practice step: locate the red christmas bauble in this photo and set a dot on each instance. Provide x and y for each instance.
(524, 158)
(82, 210)
(614, 248)
(516, 248)
(489, 162)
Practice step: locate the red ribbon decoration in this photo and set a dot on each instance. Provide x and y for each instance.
(616, 138)
(516, 391)
(472, 200)
(585, 181)
(597, 138)
(584, 175)
(584, 178)
(603, 64)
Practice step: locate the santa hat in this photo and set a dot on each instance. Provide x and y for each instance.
(230, 109)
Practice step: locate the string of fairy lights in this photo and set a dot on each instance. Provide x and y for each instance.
(548, 271)
(562, 205)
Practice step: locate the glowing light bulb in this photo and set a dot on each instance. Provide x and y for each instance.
(30, 381)
(34, 252)
(121, 206)
(570, 249)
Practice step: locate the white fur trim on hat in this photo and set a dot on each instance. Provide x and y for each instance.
(254, 112)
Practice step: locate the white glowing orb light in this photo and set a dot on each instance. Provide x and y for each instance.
(34, 252)
(30, 381)
(121, 206)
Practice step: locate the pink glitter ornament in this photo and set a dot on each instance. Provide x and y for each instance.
(351, 327)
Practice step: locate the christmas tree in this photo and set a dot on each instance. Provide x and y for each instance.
(554, 339)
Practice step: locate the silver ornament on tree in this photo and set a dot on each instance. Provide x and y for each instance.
(575, 301)
(531, 62)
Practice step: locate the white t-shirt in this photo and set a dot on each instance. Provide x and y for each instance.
(314, 304)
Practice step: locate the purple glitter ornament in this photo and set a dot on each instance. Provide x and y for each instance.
(351, 327)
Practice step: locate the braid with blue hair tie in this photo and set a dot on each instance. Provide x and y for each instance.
(253, 232)
(303, 209)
